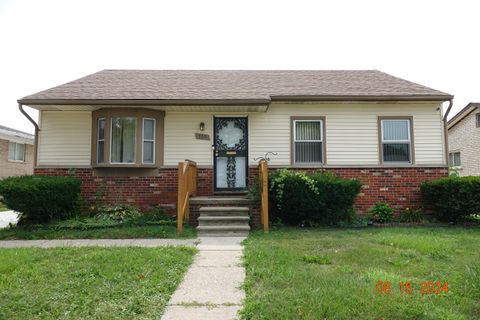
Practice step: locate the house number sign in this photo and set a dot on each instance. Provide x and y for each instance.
(202, 136)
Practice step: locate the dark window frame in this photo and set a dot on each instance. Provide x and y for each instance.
(293, 120)
(139, 114)
(381, 143)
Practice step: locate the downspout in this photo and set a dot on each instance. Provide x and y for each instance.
(37, 129)
(445, 129)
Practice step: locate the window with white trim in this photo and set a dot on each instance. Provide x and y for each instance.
(308, 141)
(396, 140)
(454, 159)
(122, 139)
(16, 151)
(148, 146)
(101, 141)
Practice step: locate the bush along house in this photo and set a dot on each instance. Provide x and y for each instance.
(125, 133)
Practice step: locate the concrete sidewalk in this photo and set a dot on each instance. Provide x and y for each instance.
(211, 288)
(98, 243)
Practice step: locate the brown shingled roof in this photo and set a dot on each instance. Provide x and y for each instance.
(235, 85)
(469, 108)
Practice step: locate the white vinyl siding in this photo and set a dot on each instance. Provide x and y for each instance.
(65, 138)
(180, 142)
(351, 132)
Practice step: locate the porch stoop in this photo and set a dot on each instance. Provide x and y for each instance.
(223, 216)
(223, 222)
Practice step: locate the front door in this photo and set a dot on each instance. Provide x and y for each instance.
(230, 153)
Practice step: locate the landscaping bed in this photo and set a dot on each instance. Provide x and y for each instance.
(99, 228)
(90, 283)
(331, 273)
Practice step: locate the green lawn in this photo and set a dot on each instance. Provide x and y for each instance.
(333, 273)
(89, 283)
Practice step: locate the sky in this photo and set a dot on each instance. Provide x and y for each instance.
(47, 43)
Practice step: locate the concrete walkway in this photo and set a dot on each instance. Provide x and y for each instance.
(98, 243)
(7, 217)
(211, 288)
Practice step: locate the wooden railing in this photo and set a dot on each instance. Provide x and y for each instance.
(263, 186)
(187, 187)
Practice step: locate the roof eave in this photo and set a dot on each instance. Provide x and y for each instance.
(150, 102)
(441, 98)
(143, 102)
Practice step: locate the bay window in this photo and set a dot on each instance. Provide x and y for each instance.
(127, 137)
(101, 141)
(122, 139)
(148, 152)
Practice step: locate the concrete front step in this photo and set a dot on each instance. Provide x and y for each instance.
(223, 231)
(222, 201)
(223, 220)
(224, 211)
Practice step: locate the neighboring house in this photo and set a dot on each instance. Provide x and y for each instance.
(16, 152)
(464, 141)
(123, 132)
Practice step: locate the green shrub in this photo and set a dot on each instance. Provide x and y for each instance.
(452, 198)
(381, 212)
(41, 198)
(411, 215)
(314, 198)
(119, 212)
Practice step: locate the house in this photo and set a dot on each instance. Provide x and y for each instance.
(124, 132)
(16, 152)
(464, 141)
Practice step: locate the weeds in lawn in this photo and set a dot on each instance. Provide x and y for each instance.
(89, 283)
(317, 259)
(284, 283)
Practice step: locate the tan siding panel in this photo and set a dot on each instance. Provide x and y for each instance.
(180, 142)
(351, 132)
(65, 138)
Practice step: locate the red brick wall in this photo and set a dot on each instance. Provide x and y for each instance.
(399, 187)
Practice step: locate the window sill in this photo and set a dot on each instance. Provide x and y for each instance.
(308, 165)
(397, 164)
(16, 161)
(124, 165)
